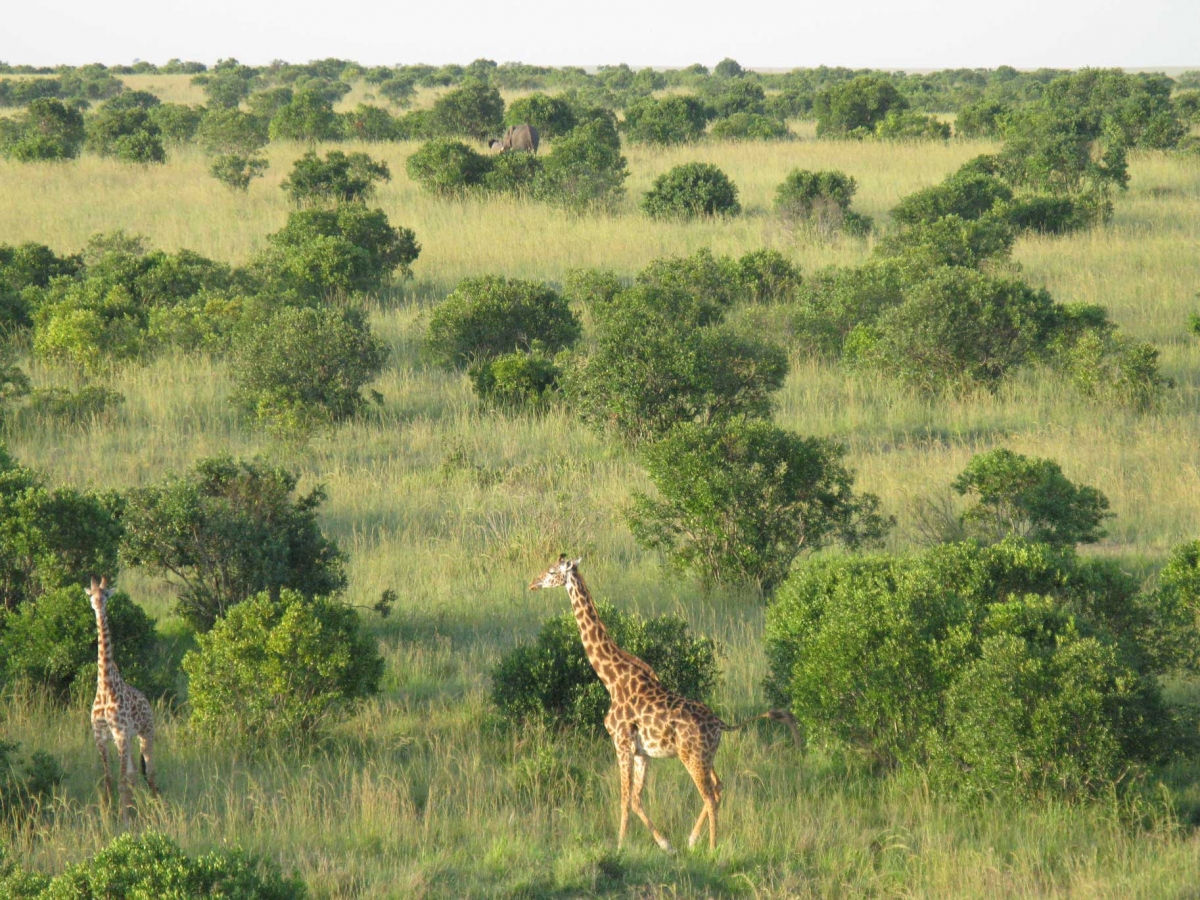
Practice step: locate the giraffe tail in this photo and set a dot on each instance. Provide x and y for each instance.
(779, 715)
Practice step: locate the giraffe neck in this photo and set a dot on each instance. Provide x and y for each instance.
(108, 679)
(601, 650)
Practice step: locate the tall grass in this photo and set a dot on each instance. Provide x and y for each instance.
(422, 792)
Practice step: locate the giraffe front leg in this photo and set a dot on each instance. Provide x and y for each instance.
(100, 735)
(639, 781)
(625, 766)
(147, 743)
(127, 773)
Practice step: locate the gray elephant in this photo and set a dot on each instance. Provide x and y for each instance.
(522, 137)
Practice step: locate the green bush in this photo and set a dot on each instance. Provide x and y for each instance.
(494, 315)
(513, 173)
(129, 135)
(50, 643)
(586, 169)
(152, 865)
(308, 117)
(551, 679)
(338, 178)
(305, 368)
(950, 241)
(553, 117)
(370, 124)
(474, 110)
(236, 171)
(62, 406)
(737, 502)
(853, 109)
(1028, 497)
(967, 195)
(447, 167)
(1109, 367)
(230, 132)
(526, 379)
(24, 785)
(652, 366)
(177, 122)
(699, 288)
(1050, 213)
(822, 200)
(767, 276)
(905, 125)
(738, 97)
(324, 253)
(981, 119)
(957, 327)
(1176, 604)
(676, 119)
(49, 130)
(746, 126)
(592, 288)
(281, 668)
(691, 190)
(33, 265)
(940, 659)
(228, 530)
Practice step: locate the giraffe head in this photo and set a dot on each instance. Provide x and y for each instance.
(99, 593)
(556, 575)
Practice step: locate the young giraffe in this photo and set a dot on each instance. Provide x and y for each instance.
(645, 719)
(120, 710)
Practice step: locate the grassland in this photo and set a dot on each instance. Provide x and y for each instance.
(422, 793)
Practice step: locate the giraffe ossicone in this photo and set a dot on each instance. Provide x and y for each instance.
(120, 712)
(645, 720)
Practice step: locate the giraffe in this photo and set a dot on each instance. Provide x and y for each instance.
(645, 719)
(120, 711)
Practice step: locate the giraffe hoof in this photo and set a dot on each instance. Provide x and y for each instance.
(666, 845)
(692, 841)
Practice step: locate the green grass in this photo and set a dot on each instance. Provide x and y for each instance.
(422, 793)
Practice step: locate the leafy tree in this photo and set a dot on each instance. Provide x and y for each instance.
(34, 265)
(738, 96)
(228, 530)
(264, 104)
(967, 195)
(335, 252)
(696, 289)
(49, 130)
(447, 167)
(231, 131)
(524, 379)
(339, 177)
(691, 190)
(398, 91)
(820, 199)
(981, 119)
(854, 108)
(905, 125)
(586, 169)
(369, 123)
(750, 127)
(1176, 600)
(1028, 497)
(950, 241)
(493, 315)
(676, 119)
(228, 84)
(308, 117)
(473, 110)
(129, 135)
(551, 679)
(738, 502)
(552, 116)
(1105, 365)
(236, 171)
(304, 368)
(177, 122)
(768, 276)
(728, 68)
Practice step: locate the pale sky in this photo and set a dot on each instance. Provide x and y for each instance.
(757, 33)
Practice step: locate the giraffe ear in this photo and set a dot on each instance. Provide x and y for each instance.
(95, 583)
(575, 562)
(103, 582)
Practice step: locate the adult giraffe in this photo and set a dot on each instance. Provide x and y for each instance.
(645, 719)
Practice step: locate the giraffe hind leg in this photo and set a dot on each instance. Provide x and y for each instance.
(100, 735)
(639, 780)
(625, 763)
(703, 776)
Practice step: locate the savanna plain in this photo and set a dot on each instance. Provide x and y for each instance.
(423, 791)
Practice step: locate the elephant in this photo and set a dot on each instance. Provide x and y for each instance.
(522, 137)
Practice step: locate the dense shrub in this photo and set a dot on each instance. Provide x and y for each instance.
(698, 289)
(691, 190)
(228, 530)
(525, 379)
(231, 131)
(553, 117)
(49, 130)
(854, 108)
(738, 97)
(129, 135)
(308, 117)
(592, 288)
(940, 658)
(447, 167)
(950, 241)
(513, 173)
(956, 327)
(1103, 364)
(228, 83)
(676, 119)
(339, 177)
(50, 643)
(767, 276)
(177, 122)
(66, 407)
(981, 119)
(236, 171)
(1176, 603)
(1028, 497)
(152, 865)
(586, 169)
(324, 253)
(966, 195)
(305, 368)
(280, 667)
(474, 109)
(747, 126)
(370, 124)
(738, 502)
(24, 785)
(649, 370)
(494, 315)
(820, 199)
(552, 680)
(905, 125)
